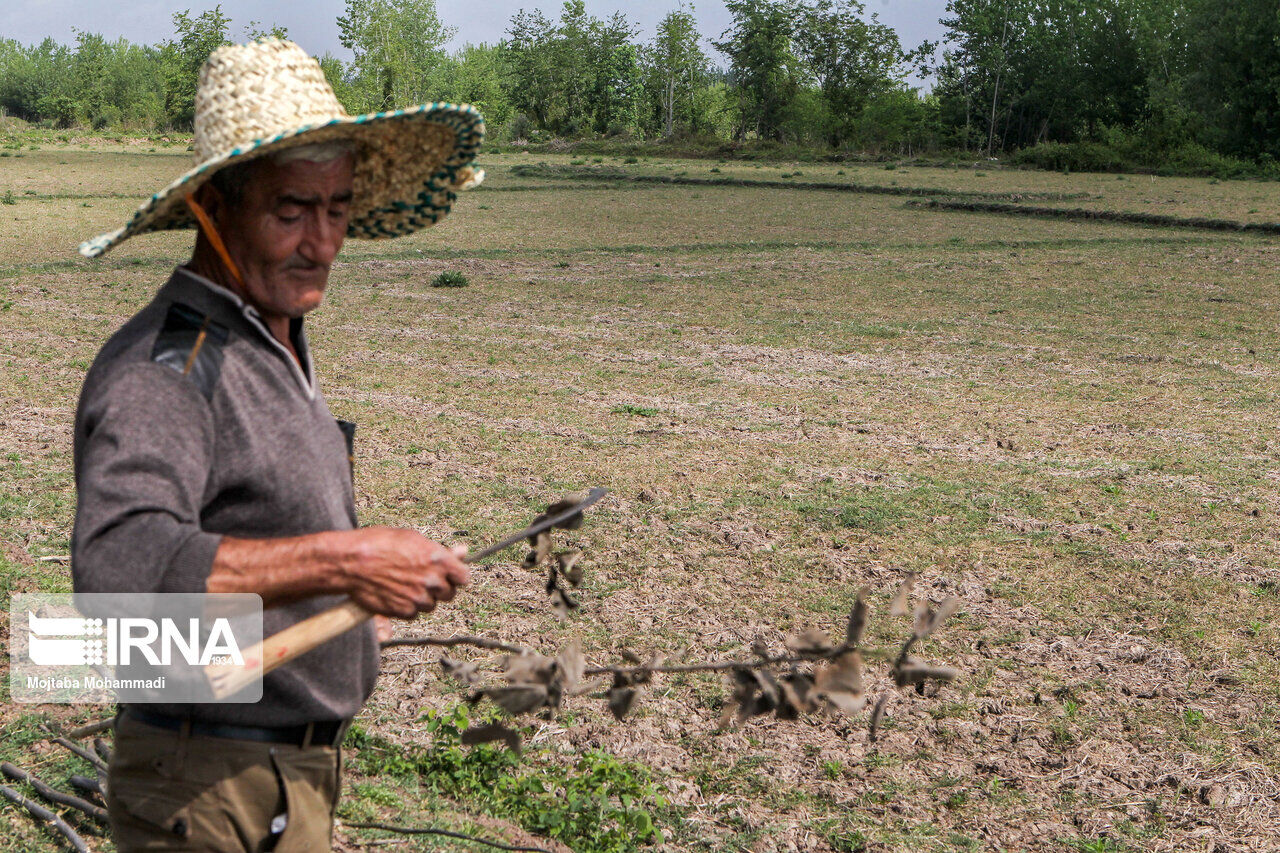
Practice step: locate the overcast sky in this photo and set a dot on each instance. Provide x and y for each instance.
(312, 23)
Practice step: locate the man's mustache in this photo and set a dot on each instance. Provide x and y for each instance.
(299, 263)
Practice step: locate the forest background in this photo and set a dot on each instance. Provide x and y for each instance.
(1169, 86)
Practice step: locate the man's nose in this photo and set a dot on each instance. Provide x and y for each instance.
(324, 239)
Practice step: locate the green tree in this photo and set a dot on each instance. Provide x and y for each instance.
(1030, 71)
(765, 73)
(182, 57)
(981, 33)
(474, 75)
(617, 80)
(254, 31)
(571, 62)
(678, 68)
(398, 47)
(531, 66)
(89, 80)
(899, 120)
(854, 61)
(575, 76)
(1233, 74)
(34, 82)
(338, 76)
(135, 88)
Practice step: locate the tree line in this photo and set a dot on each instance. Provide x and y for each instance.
(1068, 83)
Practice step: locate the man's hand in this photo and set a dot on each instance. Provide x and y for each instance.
(398, 572)
(386, 570)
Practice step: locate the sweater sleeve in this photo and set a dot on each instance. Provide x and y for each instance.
(144, 448)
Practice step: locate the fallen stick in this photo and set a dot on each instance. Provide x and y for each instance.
(83, 753)
(40, 813)
(86, 784)
(52, 795)
(92, 728)
(100, 746)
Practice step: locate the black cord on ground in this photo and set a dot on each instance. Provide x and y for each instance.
(40, 813)
(427, 830)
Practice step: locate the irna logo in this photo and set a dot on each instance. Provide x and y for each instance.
(77, 641)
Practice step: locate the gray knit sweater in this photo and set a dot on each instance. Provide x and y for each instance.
(194, 423)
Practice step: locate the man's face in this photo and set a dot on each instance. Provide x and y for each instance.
(287, 230)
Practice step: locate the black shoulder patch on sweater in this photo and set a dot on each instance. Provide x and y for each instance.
(349, 435)
(191, 344)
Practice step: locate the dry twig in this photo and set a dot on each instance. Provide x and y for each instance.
(89, 786)
(48, 793)
(813, 675)
(40, 813)
(92, 728)
(88, 756)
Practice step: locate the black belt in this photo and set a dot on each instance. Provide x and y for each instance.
(324, 733)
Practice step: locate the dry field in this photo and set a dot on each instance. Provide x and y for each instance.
(791, 394)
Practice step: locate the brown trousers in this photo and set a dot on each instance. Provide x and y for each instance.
(178, 792)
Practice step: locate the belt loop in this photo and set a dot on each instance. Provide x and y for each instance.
(308, 734)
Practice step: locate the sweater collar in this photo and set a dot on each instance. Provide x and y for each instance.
(221, 304)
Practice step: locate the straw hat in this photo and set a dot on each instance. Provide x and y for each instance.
(269, 95)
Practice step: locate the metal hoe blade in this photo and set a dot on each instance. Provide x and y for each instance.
(559, 518)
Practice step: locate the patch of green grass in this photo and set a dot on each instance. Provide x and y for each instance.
(597, 805)
(842, 837)
(866, 330)
(937, 509)
(450, 278)
(378, 795)
(1095, 845)
(631, 409)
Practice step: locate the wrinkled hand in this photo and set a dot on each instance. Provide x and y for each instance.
(397, 572)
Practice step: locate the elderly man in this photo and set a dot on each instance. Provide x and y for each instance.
(207, 460)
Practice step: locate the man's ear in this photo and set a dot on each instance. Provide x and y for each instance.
(210, 199)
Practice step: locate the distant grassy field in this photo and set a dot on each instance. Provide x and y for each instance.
(1068, 425)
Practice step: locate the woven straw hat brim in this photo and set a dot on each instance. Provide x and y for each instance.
(410, 164)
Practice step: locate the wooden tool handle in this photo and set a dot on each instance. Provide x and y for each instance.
(306, 635)
(279, 649)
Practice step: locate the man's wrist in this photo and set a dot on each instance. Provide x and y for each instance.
(336, 552)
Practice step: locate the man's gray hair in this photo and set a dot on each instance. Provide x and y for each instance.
(317, 152)
(230, 182)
